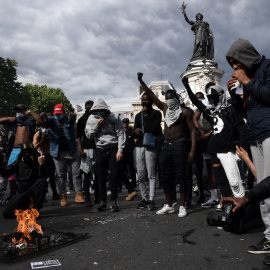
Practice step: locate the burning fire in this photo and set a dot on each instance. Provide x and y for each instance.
(27, 224)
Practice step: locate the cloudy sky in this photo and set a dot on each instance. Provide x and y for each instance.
(92, 48)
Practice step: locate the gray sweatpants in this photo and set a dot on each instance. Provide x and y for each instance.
(146, 160)
(62, 161)
(261, 158)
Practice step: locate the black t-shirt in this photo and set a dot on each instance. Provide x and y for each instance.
(228, 130)
(130, 143)
(151, 124)
(228, 126)
(63, 143)
(86, 143)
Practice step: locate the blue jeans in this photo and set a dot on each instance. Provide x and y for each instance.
(174, 156)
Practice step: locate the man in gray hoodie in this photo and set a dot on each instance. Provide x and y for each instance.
(253, 71)
(107, 130)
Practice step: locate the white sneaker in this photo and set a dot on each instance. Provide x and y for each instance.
(182, 212)
(165, 209)
(219, 208)
(196, 190)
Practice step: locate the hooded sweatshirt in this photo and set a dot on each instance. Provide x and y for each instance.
(256, 92)
(109, 135)
(244, 52)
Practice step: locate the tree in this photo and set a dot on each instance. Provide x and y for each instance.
(43, 99)
(12, 92)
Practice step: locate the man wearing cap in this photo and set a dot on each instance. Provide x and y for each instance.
(25, 121)
(87, 152)
(64, 150)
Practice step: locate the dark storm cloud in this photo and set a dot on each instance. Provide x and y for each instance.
(95, 48)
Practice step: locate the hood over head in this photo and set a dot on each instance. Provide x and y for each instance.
(243, 52)
(218, 90)
(99, 104)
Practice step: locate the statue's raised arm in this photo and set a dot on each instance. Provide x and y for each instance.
(183, 8)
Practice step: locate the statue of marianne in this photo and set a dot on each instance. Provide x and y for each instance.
(204, 38)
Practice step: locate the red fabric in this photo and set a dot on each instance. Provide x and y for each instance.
(59, 109)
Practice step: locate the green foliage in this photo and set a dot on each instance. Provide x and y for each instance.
(43, 98)
(12, 92)
(37, 98)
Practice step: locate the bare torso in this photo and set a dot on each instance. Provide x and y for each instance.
(177, 130)
(22, 135)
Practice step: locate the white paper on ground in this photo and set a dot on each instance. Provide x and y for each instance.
(44, 264)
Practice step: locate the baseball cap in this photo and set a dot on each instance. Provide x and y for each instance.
(59, 109)
(125, 120)
(20, 107)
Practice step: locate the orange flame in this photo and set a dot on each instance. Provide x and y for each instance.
(27, 224)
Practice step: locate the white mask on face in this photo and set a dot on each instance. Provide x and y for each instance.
(172, 103)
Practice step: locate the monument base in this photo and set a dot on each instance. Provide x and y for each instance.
(200, 72)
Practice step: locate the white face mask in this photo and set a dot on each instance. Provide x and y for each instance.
(172, 103)
(20, 115)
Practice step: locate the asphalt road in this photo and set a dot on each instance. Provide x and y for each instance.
(138, 239)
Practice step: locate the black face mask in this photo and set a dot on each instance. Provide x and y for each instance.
(213, 99)
(148, 105)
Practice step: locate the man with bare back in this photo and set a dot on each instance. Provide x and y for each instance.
(174, 156)
(25, 122)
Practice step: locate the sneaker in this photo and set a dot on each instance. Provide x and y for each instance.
(102, 207)
(209, 204)
(63, 201)
(79, 197)
(166, 209)
(114, 207)
(142, 204)
(262, 247)
(174, 203)
(196, 190)
(151, 205)
(131, 196)
(219, 208)
(182, 212)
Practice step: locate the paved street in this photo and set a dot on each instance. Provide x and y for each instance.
(139, 239)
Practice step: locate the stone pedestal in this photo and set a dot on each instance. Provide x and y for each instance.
(200, 72)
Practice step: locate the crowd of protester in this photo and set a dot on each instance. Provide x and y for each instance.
(106, 152)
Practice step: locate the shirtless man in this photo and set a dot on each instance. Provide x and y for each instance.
(25, 121)
(25, 124)
(174, 156)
